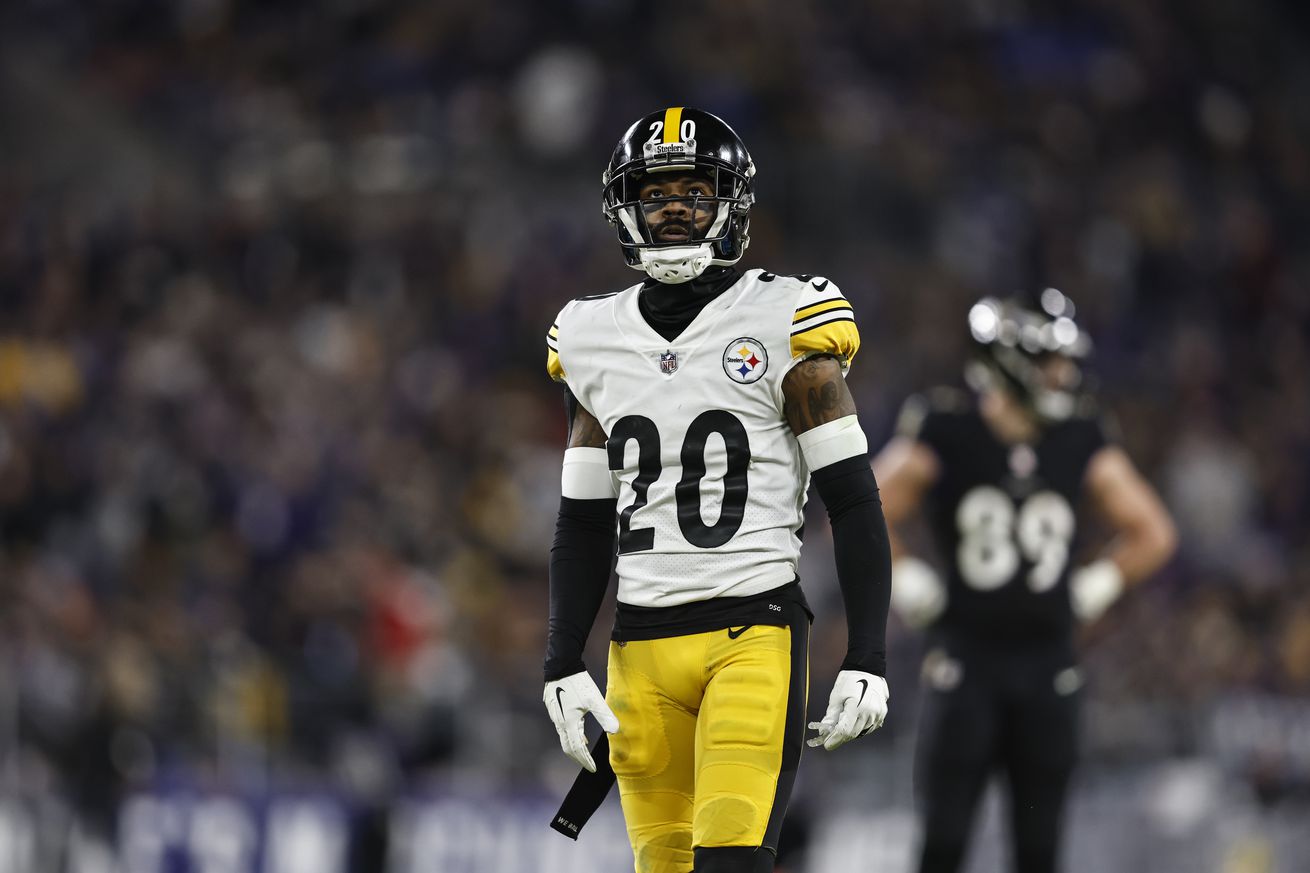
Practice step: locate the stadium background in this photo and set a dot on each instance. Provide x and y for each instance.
(279, 458)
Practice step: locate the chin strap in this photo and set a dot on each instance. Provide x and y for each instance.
(674, 266)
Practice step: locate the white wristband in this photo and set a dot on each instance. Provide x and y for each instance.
(586, 475)
(833, 441)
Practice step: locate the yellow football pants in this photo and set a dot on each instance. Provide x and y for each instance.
(711, 729)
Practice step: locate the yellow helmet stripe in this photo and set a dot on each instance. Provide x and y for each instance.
(673, 124)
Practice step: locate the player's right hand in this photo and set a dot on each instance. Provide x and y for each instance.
(918, 595)
(568, 700)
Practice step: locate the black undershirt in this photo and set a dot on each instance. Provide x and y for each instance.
(669, 309)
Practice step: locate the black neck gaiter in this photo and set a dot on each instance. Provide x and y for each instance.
(670, 308)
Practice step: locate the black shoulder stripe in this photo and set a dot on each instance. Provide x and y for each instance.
(825, 324)
(837, 313)
(845, 307)
(598, 296)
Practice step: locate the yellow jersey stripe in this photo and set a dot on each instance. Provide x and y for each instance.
(838, 337)
(823, 324)
(816, 308)
(673, 124)
(553, 365)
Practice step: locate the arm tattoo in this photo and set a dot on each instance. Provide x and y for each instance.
(815, 393)
(823, 400)
(584, 429)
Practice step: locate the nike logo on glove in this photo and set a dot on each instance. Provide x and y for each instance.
(559, 693)
(733, 634)
(864, 686)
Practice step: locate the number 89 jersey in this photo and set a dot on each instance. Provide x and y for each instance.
(711, 479)
(1004, 514)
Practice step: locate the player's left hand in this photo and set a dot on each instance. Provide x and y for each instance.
(1092, 589)
(857, 706)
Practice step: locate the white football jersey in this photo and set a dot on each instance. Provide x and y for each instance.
(711, 478)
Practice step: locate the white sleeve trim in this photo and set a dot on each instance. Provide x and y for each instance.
(833, 441)
(586, 474)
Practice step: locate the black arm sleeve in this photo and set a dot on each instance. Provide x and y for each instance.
(580, 563)
(864, 559)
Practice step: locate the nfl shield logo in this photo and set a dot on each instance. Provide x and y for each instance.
(668, 361)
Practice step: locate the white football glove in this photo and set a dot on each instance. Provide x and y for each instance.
(568, 700)
(857, 706)
(1093, 588)
(918, 595)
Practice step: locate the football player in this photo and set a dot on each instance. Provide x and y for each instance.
(1002, 475)
(701, 403)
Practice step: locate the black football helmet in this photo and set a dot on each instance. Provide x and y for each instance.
(682, 141)
(1014, 344)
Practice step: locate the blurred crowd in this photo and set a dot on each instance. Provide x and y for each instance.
(278, 454)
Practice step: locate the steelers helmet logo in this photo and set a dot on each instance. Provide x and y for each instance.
(745, 360)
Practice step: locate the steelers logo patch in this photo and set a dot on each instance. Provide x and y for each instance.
(745, 360)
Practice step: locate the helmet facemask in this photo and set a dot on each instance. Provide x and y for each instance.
(1034, 356)
(676, 238)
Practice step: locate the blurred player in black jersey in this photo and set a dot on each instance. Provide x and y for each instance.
(1002, 474)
